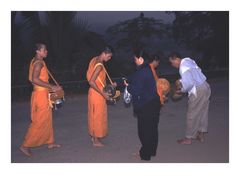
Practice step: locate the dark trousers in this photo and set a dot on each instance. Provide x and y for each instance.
(148, 119)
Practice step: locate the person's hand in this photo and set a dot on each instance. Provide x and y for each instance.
(59, 87)
(178, 84)
(106, 96)
(114, 84)
(178, 92)
(165, 98)
(125, 83)
(55, 88)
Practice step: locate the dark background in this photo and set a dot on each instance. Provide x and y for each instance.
(73, 38)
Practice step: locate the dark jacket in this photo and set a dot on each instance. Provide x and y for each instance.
(142, 87)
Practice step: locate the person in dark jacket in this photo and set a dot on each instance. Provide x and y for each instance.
(146, 105)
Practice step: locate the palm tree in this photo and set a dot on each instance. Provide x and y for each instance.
(68, 37)
(25, 33)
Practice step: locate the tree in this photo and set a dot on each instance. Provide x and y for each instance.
(131, 33)
(24, 33)
(68, 38)
(206, 33)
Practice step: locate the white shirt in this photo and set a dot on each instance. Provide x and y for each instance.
(191, 76)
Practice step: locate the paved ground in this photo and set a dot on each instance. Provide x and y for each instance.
(70, 125)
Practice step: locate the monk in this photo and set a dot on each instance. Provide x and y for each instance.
(154, 61)
(40, 131)
(97, 107)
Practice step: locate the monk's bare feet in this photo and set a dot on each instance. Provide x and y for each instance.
(137, 155)
(185, 141)
(26, 151)
(96, 142)
(51, 146)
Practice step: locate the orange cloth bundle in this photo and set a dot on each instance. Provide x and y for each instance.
(163, 86)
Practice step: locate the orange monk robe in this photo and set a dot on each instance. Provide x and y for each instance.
(97, 107)
(40, 130)
(159, 89)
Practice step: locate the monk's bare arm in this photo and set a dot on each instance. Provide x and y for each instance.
(35, 76)
(93, 84)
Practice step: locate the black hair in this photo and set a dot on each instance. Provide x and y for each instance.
(107, 49)
(153, 57)
(175, 55)
(37, 47)
(140, 53)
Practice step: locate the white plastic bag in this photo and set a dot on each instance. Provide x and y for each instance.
(127, 96)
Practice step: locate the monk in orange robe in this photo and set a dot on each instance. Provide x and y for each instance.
(154, 62)
(97, 107)
(40, 131)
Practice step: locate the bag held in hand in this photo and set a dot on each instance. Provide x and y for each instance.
(127, 97)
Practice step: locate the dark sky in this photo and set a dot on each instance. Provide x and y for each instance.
(100, 20)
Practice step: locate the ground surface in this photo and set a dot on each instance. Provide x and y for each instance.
(70, 125)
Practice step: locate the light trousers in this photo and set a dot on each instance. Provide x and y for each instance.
(197, 113)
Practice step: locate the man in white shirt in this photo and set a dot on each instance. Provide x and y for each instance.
(194, 82)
